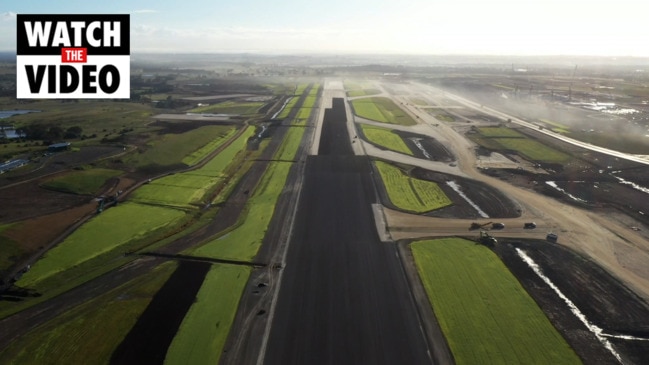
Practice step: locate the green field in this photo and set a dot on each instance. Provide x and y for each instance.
(89, 333)
(188, 188)
(230, 107)
(113, 228)
(411, 194)
(386, 139)
(499, 132)
(363, 92)
(198, 155)
(81, 182)
(533, 150)
(243, 242)
(503, 138)
(173, 149)
(486, 315)
(381, 110)
(289, 146)
(202, 334)
(180, 190)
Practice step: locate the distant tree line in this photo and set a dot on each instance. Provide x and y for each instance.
(49, 133)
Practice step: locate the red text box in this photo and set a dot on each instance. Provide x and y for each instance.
(74, 55)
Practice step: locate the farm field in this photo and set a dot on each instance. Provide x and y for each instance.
(385, 138)
(411, 194)
(202, 334)
(89, 333)
(484, 312)
(126, 223)
(381, 110)
(86, 182)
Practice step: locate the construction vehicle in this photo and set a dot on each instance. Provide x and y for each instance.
(487, 240)
(476, 225)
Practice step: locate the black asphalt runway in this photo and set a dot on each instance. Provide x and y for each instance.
(344, 297)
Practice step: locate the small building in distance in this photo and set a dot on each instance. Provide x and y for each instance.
(8, 131)
(57, 147)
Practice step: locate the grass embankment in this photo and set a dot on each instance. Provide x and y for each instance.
(506, 139)
(305, 111)
(230, 107)
(385, 138)
(486, 315)
(243, 242)
(110, 230)
(212, 315)
(82, 182)
(189, 188)
(557, 127)
(381, 110)
(203, 332)
(89, 333)
(181, 148)
(411, 194)
(198, 155)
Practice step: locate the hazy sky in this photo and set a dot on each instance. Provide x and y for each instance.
(502, 27)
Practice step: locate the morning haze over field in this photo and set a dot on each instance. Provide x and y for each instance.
(335, 182)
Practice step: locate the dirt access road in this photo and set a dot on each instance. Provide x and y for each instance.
(609, 242)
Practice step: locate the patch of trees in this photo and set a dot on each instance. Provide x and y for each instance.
(49, 133)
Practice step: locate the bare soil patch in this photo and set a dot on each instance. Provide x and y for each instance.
(604, 300)
(436, 151)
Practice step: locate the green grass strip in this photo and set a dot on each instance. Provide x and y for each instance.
(499, 132)
(386, 139)
(411, 194)
(185, 189)
(230, 107)
(484, 312)
(243, 242)
(382, 110)
(202, 334)
(106, 231)
(198, 155)
(533, 150)
(173, 148)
